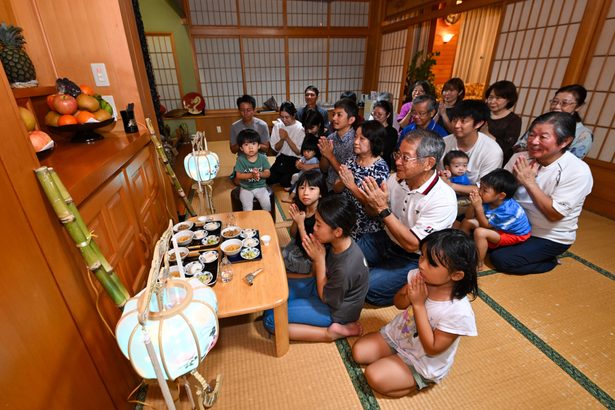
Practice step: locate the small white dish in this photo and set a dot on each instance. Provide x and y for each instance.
(200, 234)
(248, 233)
(183, 252)
(250, 242)
(182, 226)
(231, 232)
(211, 226)
(208, 257)
(205, 277)
(250, 253)
(231, 247)
(193, 268)
(184, 238)
(211, 240)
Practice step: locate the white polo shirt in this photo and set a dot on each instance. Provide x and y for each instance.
(567, 182)
(432, 207)
(485, 156)
(295, 133)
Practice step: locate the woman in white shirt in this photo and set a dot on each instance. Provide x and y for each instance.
(553, 184)
(286, 139)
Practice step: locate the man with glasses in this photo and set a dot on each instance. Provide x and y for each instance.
(424, 108)
(484, 153)
(246, 105)
(311, 98)
(412, 204)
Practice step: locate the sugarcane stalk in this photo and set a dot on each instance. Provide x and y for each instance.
(83, 240)
(68, 200)
(167, 166)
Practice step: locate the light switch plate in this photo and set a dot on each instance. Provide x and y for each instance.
(99, 71)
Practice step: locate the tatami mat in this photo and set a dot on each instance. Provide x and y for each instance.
(596, 240)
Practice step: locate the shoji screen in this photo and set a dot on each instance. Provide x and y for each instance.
(349, 14)
(346, 62)
(600, 111)
(534, 48)
(265, 68)
(391, 75)
(307, 65)
(306, 13)
(219, 63)
(260, 13)
(162, 54)
(213, 12)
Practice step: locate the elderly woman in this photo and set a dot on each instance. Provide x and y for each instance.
(382, 111)
(570, 99)
(365, 162)
(553, 184)
(286, 139)
(421, 87)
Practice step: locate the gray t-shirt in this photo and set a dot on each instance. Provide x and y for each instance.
(257, 125)
(347, 284)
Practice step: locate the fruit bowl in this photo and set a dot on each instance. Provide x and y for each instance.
(82, 132)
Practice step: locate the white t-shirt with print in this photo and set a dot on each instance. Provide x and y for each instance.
(295, 133)
(567, 181)
(453, 316)
(485, 156)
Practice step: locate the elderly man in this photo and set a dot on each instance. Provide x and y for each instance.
(246, 104)
(424, 107)
(412, 204)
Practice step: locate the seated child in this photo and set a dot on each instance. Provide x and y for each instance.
(327, 306)
(251, 170)
(496, 218)
(309, 161)
(311, 187)
(456, 166)
(418, 346)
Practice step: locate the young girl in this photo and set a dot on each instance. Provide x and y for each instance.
(418, 347)
(327, 306)
(309, 161)
(311, 187)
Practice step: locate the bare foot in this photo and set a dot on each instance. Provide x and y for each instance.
(289, 200)
(480, 266)
(337, 330)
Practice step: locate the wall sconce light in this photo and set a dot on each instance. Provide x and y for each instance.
(446, 37)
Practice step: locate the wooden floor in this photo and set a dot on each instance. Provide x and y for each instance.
(545, 341)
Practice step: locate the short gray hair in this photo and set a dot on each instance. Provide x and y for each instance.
(432, 104)
(564, 125)
(430, 144)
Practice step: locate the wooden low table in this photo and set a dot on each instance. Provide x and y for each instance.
(270, 289)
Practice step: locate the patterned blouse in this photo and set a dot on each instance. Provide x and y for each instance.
(379, 170)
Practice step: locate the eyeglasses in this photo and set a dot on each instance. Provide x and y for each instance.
(418, 114)
(405, 158)
(562, 103)
(495, 97)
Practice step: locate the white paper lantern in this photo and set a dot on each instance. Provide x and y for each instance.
(182, 333)
(202, 165)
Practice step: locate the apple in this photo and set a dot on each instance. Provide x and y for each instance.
(65, 104)
(50, 98)
(39, 140)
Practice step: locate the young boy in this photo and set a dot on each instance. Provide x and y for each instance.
(251, 170)
(456, 166)
(308, 161)
(496, 218)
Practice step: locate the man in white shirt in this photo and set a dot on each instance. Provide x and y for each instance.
(485, 154)
(412, 204)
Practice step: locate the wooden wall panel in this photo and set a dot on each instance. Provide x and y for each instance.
(444, 62)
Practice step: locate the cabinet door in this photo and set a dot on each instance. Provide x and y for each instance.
(146, 187)
(109, 213)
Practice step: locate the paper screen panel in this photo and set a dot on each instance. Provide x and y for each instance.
(346, 66)
(307, 65)
(306, 13)
(161, 53)
(265, 70)
(219, 64)
(534, 47)
(391, 74)
(261, 13)
(599, 112)
(349, 13)
(213, 13)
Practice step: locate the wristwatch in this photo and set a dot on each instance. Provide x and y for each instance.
(384, 213)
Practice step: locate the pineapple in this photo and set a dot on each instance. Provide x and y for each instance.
(17, 64)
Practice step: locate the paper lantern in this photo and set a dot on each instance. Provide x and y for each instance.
(202, 165)
(182, 331)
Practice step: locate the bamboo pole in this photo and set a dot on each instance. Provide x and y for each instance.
(168, 168)
(78, 231)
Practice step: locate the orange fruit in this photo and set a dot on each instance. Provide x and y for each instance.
(86, 89)
(67, 119)
(83, 116)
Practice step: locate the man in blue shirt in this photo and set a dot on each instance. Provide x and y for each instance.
(424, 107)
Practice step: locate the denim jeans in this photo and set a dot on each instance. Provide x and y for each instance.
(536, 255)
(304, 306)
(389, 266)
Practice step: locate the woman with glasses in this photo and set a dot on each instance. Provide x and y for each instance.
(570, 99)
(423, 110)
(553, 184)
(421, 87)
(502, 124)
(382, 111)
(365, 162)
